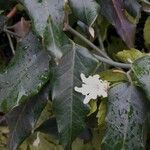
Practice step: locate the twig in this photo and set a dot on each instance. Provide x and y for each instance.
(105, 58)
(113, 63)
(129, 77)
(11, 43)
(100, 40)
(12, 33)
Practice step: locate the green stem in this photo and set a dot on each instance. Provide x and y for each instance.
(11, 43)
(105, 58)
(12, 33)
(113, 63)
(70, 29)
(100, 40)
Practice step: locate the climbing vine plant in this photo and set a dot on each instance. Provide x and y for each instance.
(74, 74)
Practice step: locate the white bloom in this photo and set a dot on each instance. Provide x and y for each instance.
(92, 87)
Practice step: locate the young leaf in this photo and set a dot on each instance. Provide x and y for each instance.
(113, 76)
(114, 11)
(102, 113)
(68, 105)
(93, 107)
(86, 11)
(26, 73)
(128, 56)
(22, 119)
(126, 118)
(141, 69)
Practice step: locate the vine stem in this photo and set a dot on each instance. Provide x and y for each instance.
(105, 58)
(11, 43)
(67, 27)
(100, 40)
(113, 63)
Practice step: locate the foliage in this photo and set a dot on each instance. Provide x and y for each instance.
(45, 48)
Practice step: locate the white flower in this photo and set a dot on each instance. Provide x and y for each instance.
(92, 88)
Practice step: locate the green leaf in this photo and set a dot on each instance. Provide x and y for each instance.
(48, 19)
(141, 69)
(22, 119)
(102, 113)
(68, 104)
(114, 46)
(114, 11)
(113, 76)
(93, 107)
(25, 75)
(45, 115)
(55, 40)
(147, 33)
(126, 119)
(85, 11)
(128, 56)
